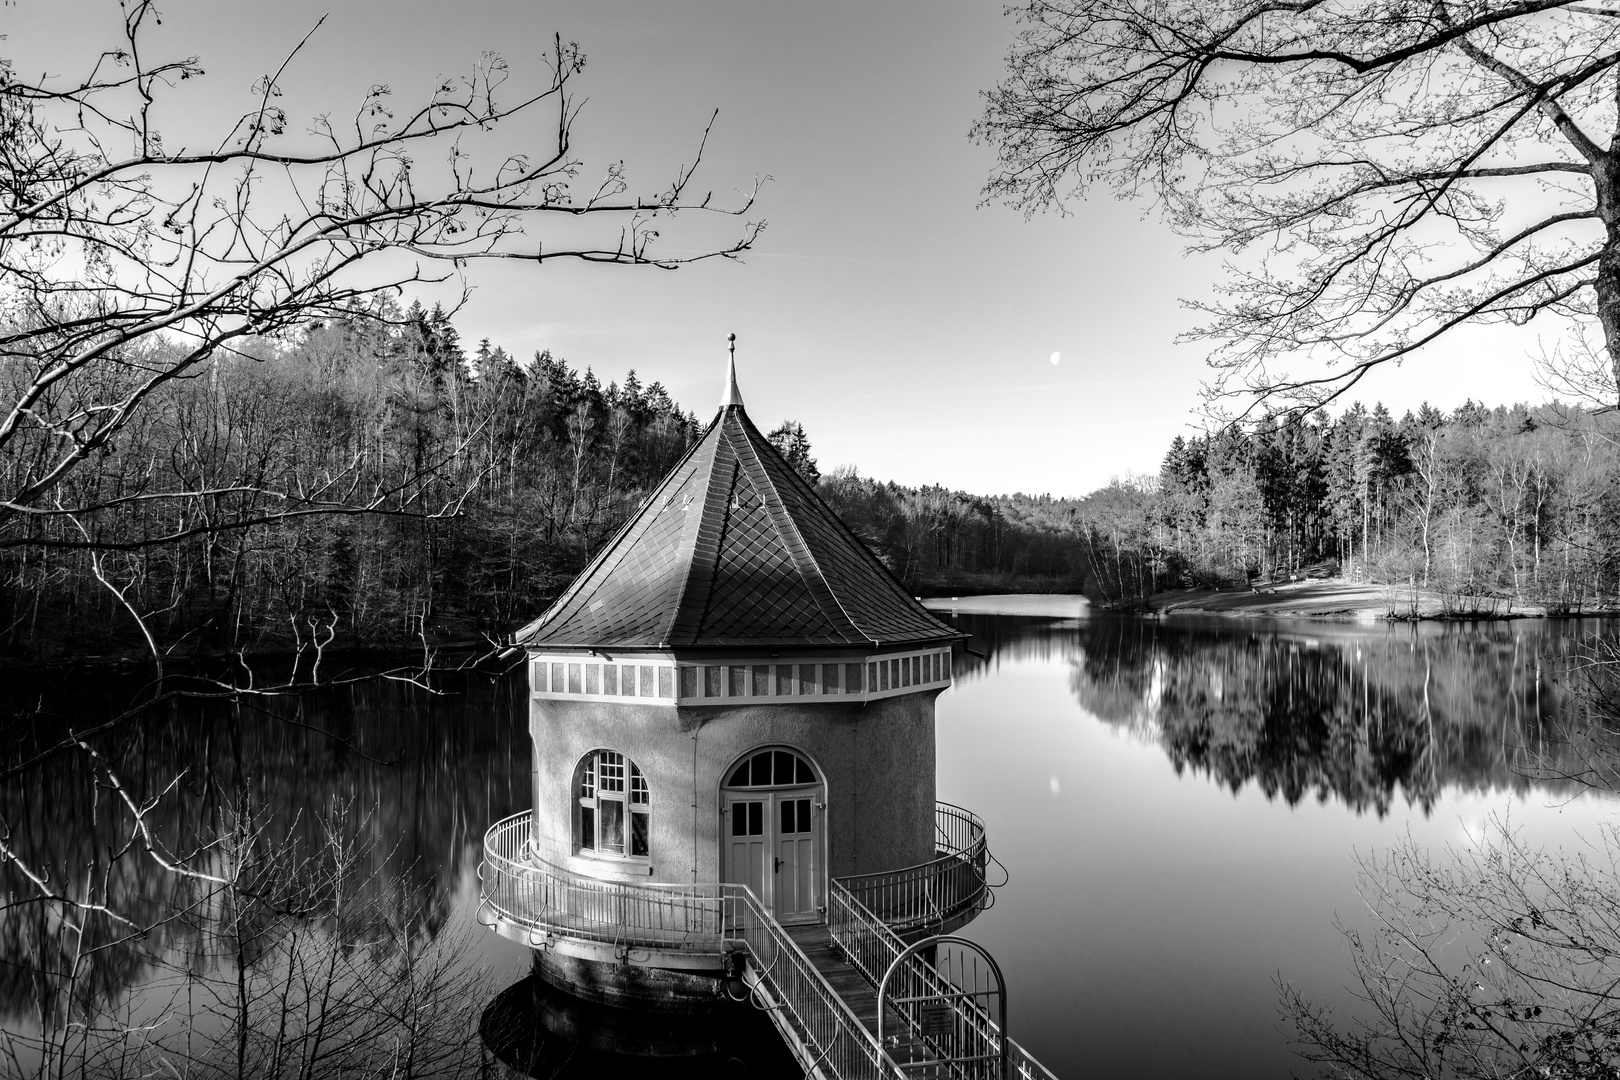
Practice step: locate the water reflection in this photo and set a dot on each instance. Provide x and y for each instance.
(1151, 907)
(1143, 898)
(358, 814)
(541, 1032)
(1362, 715)
(402, 780)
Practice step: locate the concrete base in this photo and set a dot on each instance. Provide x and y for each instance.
(631, 986)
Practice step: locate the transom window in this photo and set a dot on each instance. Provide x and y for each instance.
(614, 804)
(772, 768)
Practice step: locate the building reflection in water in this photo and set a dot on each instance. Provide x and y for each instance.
(545, 1033)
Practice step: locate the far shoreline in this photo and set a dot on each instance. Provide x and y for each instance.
(1331, 599)
(1314, 598)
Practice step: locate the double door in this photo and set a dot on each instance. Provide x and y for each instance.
(772, 844)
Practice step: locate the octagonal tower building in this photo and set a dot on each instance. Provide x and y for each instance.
(735, 692)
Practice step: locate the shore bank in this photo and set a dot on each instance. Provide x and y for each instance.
(1328, 598)
(1321, 598)
(1039, 605)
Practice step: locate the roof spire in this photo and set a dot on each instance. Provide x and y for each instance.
(731, 395)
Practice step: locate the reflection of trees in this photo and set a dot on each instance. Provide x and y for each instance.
(1013, 638)
(1342, 712)
(410, 780)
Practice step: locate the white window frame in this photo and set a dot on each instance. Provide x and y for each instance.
(605, 777)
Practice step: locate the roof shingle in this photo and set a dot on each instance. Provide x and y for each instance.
(734, 550)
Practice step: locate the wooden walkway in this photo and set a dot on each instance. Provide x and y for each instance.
(815, 941)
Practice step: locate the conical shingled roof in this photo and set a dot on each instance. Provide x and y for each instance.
(734, 550)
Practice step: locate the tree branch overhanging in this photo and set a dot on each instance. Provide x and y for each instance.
(104, 254)
(1366, 168)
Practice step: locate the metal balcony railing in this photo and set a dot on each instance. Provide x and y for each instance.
(527, 887)
(529, 891)
(931, 894)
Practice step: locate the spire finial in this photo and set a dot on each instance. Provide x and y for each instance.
(731, 395)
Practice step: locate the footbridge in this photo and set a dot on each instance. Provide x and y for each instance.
(819, 982)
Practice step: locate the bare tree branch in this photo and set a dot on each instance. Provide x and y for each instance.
(108, 261)
(1362, 167)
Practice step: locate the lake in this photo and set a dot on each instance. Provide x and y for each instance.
(1178, 805)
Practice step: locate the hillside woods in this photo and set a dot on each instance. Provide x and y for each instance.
(378, 483)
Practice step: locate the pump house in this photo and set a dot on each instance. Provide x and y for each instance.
(732, 714)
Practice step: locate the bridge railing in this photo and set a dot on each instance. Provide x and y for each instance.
(931, 893)
(835, 1038)
(526, 889)
(975, 1039)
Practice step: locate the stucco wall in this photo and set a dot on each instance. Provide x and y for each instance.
(877, 762)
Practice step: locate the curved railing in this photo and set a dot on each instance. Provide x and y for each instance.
(931, 894)
(535, 894)
(525, 889)
(529, 891)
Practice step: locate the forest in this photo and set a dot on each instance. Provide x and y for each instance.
(1517, 503)
(372, 481)
(1485, 507)
(363, 481)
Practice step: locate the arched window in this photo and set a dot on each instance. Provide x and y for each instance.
(772, 768)
(614, 805)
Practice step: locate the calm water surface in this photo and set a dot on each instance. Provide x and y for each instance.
(1178, 805)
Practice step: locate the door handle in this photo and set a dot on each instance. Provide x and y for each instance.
(778, 868)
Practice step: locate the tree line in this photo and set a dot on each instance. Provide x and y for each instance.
(370, 480)
(1480, 505)
(1484, 506)
(364, 481)
(940, 541)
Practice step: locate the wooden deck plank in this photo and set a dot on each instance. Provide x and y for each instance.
(846, 980)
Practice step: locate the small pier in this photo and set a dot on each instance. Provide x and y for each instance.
(817, 979)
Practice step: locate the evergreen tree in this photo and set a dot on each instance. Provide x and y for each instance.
(794, 445)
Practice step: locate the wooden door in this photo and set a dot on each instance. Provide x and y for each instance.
(747, 845)
(773, 803)
(795, 861)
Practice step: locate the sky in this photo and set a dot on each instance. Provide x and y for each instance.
(912, 331)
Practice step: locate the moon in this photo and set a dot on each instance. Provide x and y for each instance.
(1056, 358)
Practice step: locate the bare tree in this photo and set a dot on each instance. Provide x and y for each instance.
(1387, 172)
(127, 263)
(1502, 961)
